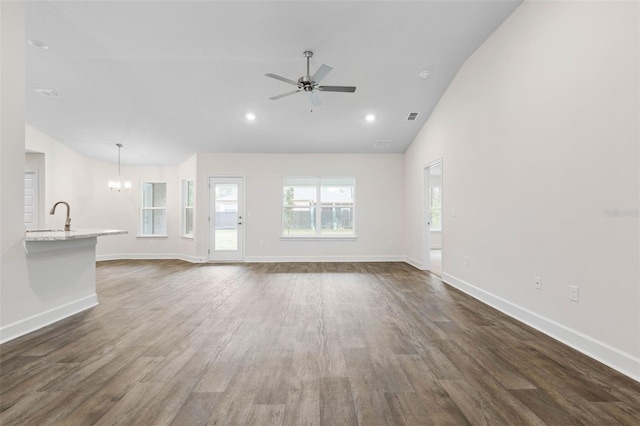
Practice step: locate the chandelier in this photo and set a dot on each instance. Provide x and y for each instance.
(119, 185)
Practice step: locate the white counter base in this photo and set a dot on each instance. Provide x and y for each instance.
(61, 275)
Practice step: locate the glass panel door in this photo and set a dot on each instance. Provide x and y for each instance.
(226, 219)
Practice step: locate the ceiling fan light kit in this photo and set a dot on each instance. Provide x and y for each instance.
(310, 84)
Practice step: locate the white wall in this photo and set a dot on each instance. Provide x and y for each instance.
(539, 132)
(187, 246)
(378, 215)
(16, 298)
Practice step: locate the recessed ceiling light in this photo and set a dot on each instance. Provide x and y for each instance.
(251, 116)
(424, 74)
(370, 118)
(38, 44)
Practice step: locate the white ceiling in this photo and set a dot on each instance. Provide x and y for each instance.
(171, 78)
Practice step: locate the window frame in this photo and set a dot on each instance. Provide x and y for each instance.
(317, 210)
(141, 233)
(185, 207)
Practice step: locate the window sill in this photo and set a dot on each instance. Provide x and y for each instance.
(152, 236)
(318, 238)
(187, 237)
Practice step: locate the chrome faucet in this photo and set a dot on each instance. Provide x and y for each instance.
(67, 223)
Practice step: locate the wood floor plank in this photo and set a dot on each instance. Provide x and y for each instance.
(437, 405)
(36, 382)
(73, 397)
(546, 407)
(619, 412)
(94, 407)
(369, 399)
(261, 414)
(197, 409)
(298, 344)
(493, 396)
(303, 404)
(336, 402)
(18, 413)
(471, 403)
(124, 410)
(418, 409)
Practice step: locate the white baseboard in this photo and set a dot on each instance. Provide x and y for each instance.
(283, 259)
(150, 256)
(35, 322)
(250, 259)
(623, 362)
(416, 264)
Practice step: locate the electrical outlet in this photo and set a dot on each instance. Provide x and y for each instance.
(390, 243)
(261, 243)
(453, 212)
(538, 283)
(573, 293)
(466, 261)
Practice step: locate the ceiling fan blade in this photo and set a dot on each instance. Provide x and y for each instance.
(345, 89)
(286, 80)
(315, 100)
(321, 73)
(275, 98)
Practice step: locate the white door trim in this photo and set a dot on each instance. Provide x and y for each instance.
(211, 257)
(426, 214)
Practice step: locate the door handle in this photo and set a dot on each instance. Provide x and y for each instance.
(239, 223)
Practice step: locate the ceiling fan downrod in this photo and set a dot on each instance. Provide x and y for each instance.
(308, 54)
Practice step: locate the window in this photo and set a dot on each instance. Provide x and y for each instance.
(435, 206)
(318, 207)
(187, 208)
(153, 210)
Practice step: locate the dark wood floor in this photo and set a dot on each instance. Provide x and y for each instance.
(298, 344)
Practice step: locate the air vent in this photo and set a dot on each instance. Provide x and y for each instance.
(382, 144)
(47, 93)
(412, 116)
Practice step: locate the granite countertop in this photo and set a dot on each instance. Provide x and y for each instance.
(74, 234)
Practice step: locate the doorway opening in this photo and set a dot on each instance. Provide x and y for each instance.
(31, 196)
(433, 241)
(226, 219)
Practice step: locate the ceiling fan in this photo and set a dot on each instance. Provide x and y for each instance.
(309, 84)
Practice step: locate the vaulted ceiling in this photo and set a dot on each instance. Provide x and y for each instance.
(171, 78)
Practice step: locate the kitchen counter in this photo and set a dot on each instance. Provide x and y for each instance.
(74, 234)
(61, 273)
